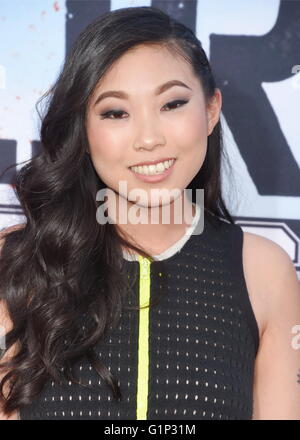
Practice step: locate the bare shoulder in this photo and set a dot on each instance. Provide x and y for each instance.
(5, 327)
(9, 229)
(6, 324)
(261, 247)
(267, 268)
(4, 320)
(271, 261)
(274, 289)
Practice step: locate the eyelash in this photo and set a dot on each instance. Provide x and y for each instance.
(116, 112)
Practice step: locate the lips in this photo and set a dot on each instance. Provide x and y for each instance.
(154, 178)
(153, 162)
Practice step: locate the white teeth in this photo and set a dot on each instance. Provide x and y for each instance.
(153, 169)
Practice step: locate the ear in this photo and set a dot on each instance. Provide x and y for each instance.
(214, 110)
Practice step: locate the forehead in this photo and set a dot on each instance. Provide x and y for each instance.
(145, 66)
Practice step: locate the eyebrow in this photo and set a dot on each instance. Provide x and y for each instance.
(122, 95)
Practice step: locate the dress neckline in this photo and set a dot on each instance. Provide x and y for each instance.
(174, 248)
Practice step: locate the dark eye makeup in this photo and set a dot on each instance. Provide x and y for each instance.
(114, 113)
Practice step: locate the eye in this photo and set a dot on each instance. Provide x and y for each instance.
(107, 115)
(174, 103)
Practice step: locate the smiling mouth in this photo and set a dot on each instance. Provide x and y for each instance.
(153, 170)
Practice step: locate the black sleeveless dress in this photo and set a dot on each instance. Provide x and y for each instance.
(189, 357)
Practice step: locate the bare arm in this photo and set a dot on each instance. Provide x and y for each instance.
(276, 381)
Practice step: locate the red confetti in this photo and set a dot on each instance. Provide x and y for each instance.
(55, 6)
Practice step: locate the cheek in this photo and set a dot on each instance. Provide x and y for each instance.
(191, 137)
(191, 133)
(105, 145)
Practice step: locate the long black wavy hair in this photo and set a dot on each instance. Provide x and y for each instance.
(62, 265)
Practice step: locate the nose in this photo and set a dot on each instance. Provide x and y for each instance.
(149, 136)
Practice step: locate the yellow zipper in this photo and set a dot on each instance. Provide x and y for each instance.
(143, 340)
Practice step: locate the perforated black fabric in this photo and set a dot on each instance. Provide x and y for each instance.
(203, 340)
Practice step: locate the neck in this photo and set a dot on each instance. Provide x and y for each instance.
(153, 228)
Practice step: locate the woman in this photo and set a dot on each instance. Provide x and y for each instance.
(81, 342)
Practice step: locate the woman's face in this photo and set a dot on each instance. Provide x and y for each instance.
(147, 125)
